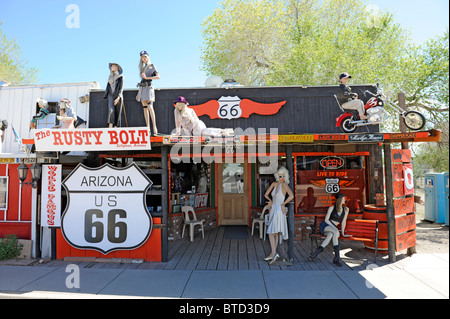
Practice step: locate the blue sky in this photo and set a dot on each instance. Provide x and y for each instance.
(117, 30)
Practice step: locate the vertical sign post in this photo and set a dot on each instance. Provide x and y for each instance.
(51, 196)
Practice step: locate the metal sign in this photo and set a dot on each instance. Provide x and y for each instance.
(232, 107)
(106, 208)
(51, 195)
(101, 139)
(366, 138)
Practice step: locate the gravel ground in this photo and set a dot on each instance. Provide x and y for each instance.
(431, 237)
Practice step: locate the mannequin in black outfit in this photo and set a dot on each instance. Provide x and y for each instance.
(336, 215)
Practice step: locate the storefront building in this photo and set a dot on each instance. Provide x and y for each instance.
(223, 178)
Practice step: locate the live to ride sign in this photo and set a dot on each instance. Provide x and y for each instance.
(106, 208)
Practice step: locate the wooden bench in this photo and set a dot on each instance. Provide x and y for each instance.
(359, 229)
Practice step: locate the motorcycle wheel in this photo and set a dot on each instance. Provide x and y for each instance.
(414, 120)
(347, 126)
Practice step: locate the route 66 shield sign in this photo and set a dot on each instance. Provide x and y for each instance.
(332, 185)
(229, 107)
(106, 208)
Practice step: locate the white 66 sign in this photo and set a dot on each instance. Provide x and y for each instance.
(229, 107)
(106, 208)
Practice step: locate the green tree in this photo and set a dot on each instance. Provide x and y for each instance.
(13, 67)
(303, 42)
(244, 39)
(310, 42)
(429, 81)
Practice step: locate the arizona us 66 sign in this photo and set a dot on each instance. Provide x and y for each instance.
(106, 208)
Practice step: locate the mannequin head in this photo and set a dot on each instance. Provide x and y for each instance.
(282, 174)
(340, 200)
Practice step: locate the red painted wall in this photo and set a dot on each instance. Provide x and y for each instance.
(12, 226)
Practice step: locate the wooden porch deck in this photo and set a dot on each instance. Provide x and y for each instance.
(216, 252)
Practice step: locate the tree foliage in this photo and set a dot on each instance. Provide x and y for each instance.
(310, 42)
(13, 67)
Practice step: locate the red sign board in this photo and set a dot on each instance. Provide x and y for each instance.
(232, 107)
(403, 156)
(405, 223)
(397, 171)
(399, 189)
(406, 240)
(404, 206)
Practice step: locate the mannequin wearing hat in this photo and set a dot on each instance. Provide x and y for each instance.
(336, 214)
(114, 95)
(66, 115)
(187, 122)
(146, 94)
(348, 99)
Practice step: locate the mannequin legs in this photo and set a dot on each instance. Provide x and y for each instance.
(332, 235)
(149, 112)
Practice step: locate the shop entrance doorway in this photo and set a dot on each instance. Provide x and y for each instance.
(233, 196)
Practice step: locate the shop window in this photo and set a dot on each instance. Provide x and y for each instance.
(3, 192)
(233, 179)
(49, 121)
(190, 185)
(266, 179)
(319, 177)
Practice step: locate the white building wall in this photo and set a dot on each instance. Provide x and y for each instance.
(18, 106)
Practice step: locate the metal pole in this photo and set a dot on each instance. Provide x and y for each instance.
(291, 207)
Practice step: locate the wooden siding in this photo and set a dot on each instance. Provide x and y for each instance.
(308, 109)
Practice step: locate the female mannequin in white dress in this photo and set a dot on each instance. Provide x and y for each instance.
(278, 211)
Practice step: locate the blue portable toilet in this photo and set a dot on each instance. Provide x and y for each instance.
(435, 198)
(446, 197)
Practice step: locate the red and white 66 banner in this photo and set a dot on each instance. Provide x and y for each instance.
(106, 208)
(51, 195)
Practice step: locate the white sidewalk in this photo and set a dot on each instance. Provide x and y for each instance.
(424, 276)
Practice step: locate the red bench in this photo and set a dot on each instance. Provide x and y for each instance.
(359, 229)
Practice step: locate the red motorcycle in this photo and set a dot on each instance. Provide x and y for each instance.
(349, 121)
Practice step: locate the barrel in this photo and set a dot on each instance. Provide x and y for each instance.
(379, 213)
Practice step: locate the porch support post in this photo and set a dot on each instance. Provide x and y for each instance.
(165, 204)
(389, 201)
(291, 205)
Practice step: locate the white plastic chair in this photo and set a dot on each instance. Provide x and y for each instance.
(261, 221)
(191, 222)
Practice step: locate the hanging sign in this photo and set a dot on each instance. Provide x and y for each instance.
(366, 138)
(106, 209)
(232, 107)
(114, 139)
(409, 179)
(51, 195)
